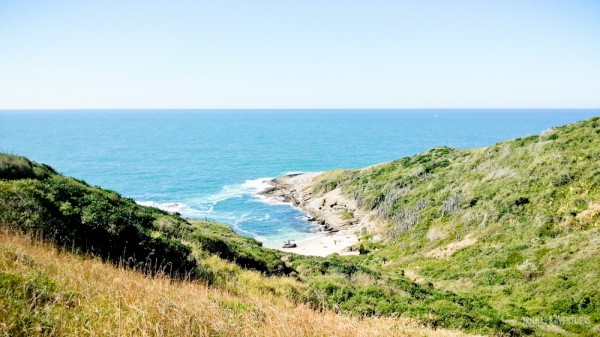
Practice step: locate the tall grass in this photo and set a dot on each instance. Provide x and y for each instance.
(45, 291)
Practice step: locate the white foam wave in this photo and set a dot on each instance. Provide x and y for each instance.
(257, 185)
(252, 187)
(203, 206)
(248, 187)
(271, 200)
(181, 208)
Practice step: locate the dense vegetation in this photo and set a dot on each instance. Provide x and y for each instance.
(479, 240)
(35, 199)
(515, 225)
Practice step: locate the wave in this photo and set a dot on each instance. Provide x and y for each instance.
(252, 187)
(271, 200)
(244, 217)
(203, 206)
(248, 187)
(181, 208)
(256, 186)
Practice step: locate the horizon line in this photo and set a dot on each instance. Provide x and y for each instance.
(296, 109)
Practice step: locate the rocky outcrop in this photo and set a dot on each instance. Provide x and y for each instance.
(332, 210)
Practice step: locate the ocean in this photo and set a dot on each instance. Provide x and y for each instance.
(211, 163)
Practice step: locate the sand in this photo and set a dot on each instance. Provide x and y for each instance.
(327, 244)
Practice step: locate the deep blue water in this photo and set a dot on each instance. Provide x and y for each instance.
(211, 163)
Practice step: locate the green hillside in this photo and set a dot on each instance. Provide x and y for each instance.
(515, 224)
(36, 200)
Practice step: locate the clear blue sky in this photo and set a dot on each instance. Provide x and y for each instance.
(299, 54)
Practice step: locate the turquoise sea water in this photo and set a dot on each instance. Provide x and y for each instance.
(210, 164)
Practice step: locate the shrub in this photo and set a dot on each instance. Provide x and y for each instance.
(16, 167)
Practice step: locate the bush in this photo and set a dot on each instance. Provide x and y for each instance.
(90, 220)
(246, 252)
(491, 278)
(16, 167)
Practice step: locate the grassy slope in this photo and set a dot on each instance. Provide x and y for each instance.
(37, 200)
(44, 291)
(515, 224)
(34, 199)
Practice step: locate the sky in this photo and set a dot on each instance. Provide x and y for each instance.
(299, 54)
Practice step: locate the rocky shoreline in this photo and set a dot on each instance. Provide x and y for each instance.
(334, 213)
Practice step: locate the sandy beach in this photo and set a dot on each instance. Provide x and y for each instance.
(329, 243)
(339, 217)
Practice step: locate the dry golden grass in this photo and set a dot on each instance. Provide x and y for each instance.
(97, 299)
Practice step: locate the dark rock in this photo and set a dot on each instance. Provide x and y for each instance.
(268, 190)
(290, 244)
